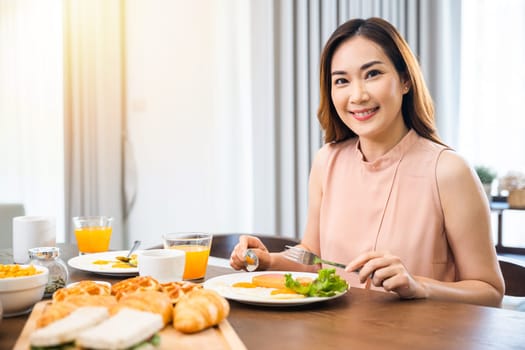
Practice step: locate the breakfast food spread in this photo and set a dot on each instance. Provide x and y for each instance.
(276, 280)
(199, 310)
(59, 310)
(326, 284)
(272, 285)
(134, 310)
(68, 328)
(176, 290)
(117, 332)
(134, 284)
(284, 286)
(121, 262)
(271, 280)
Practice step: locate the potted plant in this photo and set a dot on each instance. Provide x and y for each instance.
(486, 176)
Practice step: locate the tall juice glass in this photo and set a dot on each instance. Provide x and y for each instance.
(93, 233)
(197, 247)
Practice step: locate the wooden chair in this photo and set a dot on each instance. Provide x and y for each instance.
(514, 275)
(223, 244)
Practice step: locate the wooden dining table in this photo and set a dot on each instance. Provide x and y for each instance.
(360, 319)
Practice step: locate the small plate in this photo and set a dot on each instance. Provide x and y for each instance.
(223, 286)
(85, 263)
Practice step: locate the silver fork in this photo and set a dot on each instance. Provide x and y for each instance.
(305, 257)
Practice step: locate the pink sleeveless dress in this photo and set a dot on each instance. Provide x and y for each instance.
(390, 204)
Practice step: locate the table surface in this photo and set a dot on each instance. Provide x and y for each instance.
(361, 319)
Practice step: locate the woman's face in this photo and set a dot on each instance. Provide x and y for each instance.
(367, 91)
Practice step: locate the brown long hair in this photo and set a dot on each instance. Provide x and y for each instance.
(417, 106)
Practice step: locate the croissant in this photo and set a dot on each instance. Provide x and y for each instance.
(147, 300)
(198, 310)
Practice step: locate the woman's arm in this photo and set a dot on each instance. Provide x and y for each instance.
(467, 223)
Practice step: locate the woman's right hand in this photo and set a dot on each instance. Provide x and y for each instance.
(237, 258)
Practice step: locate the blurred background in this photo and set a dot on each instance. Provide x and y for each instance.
(201, 115)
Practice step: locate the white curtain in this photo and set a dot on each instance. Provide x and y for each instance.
(285, 82)
(31, 107)
(93, 113)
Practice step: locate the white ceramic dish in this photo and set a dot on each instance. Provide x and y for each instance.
(18, 295)
(164, 265)
(85, 263)
(223, 286)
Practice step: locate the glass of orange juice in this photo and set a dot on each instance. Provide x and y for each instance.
(93, 233)
(197, 247)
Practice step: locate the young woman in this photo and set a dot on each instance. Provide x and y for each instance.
(386, 196)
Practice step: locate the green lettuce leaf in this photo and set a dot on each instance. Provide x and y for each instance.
(326, 284)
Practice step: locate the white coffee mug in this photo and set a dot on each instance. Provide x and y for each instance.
(31, 232)
(165, 265)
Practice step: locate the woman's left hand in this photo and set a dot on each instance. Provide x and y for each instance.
(387, 271)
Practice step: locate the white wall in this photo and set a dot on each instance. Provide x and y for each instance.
(185, 122)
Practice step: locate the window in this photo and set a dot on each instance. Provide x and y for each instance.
(31, 107)
(492, 95)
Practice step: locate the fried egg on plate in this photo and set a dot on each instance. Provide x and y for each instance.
(258, 292)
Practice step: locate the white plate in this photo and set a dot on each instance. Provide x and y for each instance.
(223, 286)
(85, 263)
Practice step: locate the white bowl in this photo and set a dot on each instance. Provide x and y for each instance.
(164, 265)
(19, 294)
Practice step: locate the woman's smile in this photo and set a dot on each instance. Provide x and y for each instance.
(364, 114)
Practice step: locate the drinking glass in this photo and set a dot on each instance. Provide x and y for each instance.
(197, 247)
(93, 233)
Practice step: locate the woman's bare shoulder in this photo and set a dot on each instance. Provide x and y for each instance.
(457, 181)
(452, 167)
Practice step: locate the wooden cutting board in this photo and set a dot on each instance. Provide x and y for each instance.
(220, 337)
